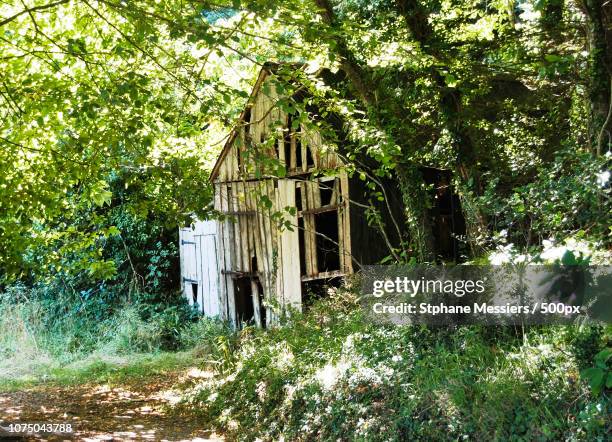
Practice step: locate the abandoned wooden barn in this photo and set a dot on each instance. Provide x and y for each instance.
(278, 236)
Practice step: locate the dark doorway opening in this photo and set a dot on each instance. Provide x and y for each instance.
(327, 239)
(260, 297)
(249, 301)
(446, 217)
(244, 300)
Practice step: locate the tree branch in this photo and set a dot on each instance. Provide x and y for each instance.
(33, 9)
(353, 70)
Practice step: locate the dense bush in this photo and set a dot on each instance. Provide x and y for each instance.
(33, 328)
(568, 196)
(331, 376)
(130, 301)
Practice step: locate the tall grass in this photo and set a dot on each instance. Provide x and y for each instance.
(40, 338)
(23, 339)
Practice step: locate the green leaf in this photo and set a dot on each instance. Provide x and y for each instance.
(113, 231)
(569, 259)
(265, 201)
(99, 193)
(102, 269)
(594, 376)
(604, 355)
(552, 58)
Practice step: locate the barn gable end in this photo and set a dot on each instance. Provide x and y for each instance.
(264, 130)
(284, 225)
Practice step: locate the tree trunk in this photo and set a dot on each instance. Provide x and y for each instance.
(416, 15)
(599, 40)
(416, 202)
(466, 173)
(414, 195)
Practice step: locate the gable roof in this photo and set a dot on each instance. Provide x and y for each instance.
(267, 69)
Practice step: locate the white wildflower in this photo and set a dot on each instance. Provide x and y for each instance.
(329, 375)
(603, 178)
(502, 255)
(261, 391)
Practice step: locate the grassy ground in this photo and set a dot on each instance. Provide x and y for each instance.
(94, 368)
(326, 375)
(39, 347)
(109, 379)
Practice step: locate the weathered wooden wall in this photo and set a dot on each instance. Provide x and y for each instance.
(263, 241)
(262, 119)
(258, 238)
(248, 237)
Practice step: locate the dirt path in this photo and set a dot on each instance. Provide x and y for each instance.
(132, 411)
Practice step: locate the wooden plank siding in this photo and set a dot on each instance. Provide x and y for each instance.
(290, 248)
(250, 241)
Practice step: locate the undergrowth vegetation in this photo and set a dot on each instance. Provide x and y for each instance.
(62, 341)
(330, 374)
(54, 318)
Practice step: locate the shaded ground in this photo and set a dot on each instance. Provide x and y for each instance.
(129, 411)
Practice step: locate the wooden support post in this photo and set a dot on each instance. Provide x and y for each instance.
(256, 306)
(290, 249)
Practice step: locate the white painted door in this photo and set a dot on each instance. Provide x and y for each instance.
(190, 275)
(199, 266)
(209, 267)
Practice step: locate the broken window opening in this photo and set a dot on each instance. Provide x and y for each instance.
(309, 159)
(247, 120)
(326, 191)
(298, 197)
(239, 156)
(327, 238)
(287, 144)
(247, 138)
(298, 147)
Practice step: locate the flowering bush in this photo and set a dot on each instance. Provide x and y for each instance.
(329, 375)
(571, 251)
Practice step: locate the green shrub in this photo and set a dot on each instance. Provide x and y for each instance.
(39, 327)
(569, 194)
(599, 376)
(329, 375)
(205, 336)
(127, 332)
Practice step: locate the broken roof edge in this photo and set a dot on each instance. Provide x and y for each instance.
(267, 68)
